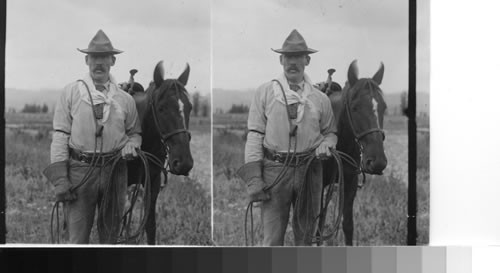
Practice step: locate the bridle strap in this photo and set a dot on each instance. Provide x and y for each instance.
(178, 131)
(359, 136)
(374, 130)
(164, 137)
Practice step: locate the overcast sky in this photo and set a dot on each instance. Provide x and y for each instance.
(371, 31)
(42, 37)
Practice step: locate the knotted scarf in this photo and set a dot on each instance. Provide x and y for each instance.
(293, 97)
(99, 97)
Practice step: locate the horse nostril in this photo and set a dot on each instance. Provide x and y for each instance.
(369, 162)
(175, 164)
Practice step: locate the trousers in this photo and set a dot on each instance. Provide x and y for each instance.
(300, 187)
(101, 191)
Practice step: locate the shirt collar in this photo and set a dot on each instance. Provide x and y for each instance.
(300, 84)
(106, 86)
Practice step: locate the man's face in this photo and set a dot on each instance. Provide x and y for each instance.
(294, 66)
(99, 66)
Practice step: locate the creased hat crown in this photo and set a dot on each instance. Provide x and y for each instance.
(295, 44)
(100, 44)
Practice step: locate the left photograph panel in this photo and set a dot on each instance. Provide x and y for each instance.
(107, 111)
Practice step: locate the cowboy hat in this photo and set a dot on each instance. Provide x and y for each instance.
(295, 44)
(100, 44)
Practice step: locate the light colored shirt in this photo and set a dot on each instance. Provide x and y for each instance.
(74, 124)
(269, 127)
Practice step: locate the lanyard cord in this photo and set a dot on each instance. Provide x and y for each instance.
(325, 198)
(93, 164)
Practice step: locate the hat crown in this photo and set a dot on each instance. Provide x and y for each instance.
(100, 44)
(101, 40)
(295, 43)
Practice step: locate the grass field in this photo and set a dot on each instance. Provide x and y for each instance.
(380, 207)
(183, 207)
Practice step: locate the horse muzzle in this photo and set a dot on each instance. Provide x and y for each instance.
(375, 165)
(181, 166)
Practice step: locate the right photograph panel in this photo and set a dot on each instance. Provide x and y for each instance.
(310, 139)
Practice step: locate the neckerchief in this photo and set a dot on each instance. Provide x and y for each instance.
(99, 97)
(292, 96)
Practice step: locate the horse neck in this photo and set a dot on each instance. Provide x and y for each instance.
(346, 140)
(151, 138)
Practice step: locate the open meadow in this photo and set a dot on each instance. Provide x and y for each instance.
(183, 207)
(380, 207)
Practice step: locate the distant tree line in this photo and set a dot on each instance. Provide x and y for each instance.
(238, 109)
(35, 108)
(201, 107)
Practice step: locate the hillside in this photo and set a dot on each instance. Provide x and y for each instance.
(17, 98)
(223, 99)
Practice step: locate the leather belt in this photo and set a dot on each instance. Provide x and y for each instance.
(101, 159)
(280, 157)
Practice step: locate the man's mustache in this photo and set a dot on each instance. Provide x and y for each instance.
(99, 67)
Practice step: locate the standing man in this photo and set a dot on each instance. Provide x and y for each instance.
(289, 123)
(94, 121)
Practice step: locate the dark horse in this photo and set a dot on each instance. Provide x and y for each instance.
(164, 110)
(359, 109)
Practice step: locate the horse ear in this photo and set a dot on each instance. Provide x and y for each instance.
(352, 73)
(158, 74)
(183, 78)
(379, 75)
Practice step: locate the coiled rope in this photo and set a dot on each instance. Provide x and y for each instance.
(301, 196)
(335, 187)
(108, 202)
(126, 219)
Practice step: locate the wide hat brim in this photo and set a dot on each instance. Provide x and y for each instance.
(100, 45)
(294, 52)
(295, 44)
(101, 52)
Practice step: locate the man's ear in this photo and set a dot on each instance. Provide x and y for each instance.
(113, 60)
(87, 59)
(281, 59)
(308, 59)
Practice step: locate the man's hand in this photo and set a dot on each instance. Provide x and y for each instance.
(251, 173)
(256, 191)
(57, 174)
(63, 192)
(129, 151)
(323, 151)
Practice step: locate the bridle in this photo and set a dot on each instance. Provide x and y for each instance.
(359, 136)
(165, 136)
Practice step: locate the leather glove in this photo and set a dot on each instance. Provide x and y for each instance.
(57, 174)
(251, 173)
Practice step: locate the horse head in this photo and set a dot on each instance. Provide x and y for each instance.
(170, 108)
(363, 113)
